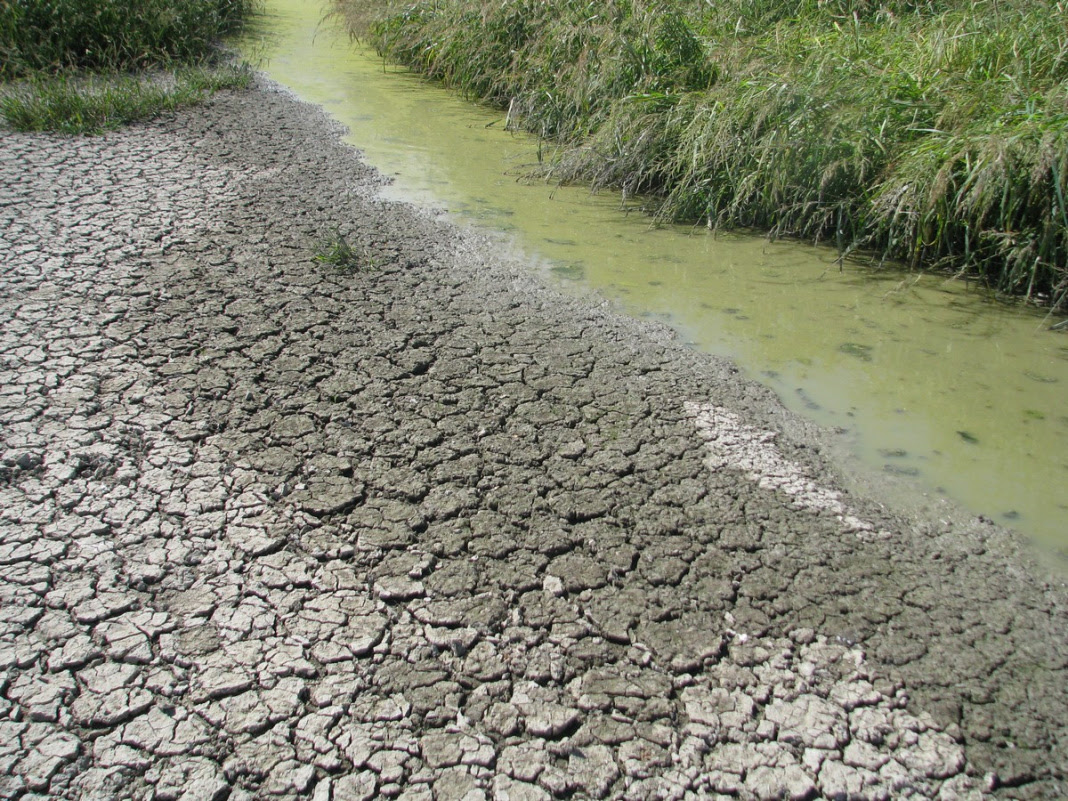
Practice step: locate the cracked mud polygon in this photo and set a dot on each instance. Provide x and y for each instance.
(428, 530)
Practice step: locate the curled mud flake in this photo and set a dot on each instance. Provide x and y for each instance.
(639, 758)
(329, 495)
(76, 652)
(502, 719)
(194, 777)
(45, 757)
(41, 697)
(809, 721)
(837, 780)
(683, 643)
(398, 588)
(245, 713)
(314, 735)
(459, 641)
(218, 680)
(790, 782)
(256, 539)
(508, 788)
(542, 713)
(524, 761)
(447, 749)
(577, 572)
(361, 786)
(102, 606)
(110, 708)
(593, 768)
(288, 778)
(934, 755)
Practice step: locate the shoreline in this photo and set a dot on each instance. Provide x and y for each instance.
(433, 528)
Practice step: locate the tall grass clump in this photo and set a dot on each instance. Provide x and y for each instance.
(56, 35)
(69, 65)
(929, 131)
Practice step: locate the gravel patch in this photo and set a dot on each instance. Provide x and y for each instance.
(429, 530)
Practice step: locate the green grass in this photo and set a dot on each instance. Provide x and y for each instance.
(336, 252)
(933, 132)
(60, 35)
(82, 66)
(91, 104)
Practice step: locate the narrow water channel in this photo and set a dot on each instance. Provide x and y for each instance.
(928, 380)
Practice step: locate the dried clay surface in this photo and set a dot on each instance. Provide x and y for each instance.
(427, 530)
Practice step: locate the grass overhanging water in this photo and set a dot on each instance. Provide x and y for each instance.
(933, 132)
(82, 66)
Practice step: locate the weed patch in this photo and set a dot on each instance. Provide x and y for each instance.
(336, 252)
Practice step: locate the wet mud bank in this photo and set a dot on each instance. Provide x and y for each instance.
(429, 530)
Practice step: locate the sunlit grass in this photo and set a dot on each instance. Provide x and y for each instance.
(91, 104)
(334, 250)
(935, 133)
(82, 66)
(57, 35)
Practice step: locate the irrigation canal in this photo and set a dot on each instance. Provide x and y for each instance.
(927, 380)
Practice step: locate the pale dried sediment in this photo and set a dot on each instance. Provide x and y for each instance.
(733, 445)
(431, 531)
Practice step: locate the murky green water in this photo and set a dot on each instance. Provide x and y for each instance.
(931, 381)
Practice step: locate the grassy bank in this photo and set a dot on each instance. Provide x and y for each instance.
(930, 132)
(84, 65)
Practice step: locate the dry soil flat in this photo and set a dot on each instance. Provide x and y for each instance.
(429, 530)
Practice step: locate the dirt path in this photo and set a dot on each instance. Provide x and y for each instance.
(429, 530)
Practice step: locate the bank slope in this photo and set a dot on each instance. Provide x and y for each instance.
(935, 133)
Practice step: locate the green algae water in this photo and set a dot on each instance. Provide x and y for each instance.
(926, 379)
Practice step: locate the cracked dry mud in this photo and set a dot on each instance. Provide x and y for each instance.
(429, 531)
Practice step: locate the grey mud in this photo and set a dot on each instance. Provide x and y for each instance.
(427, 530)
